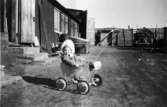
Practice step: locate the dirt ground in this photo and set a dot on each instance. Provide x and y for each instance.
(131, 78)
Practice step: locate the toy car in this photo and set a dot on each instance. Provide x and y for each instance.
(83, 87)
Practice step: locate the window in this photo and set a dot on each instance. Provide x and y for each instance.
(66, 24)
(72, 28)
(69, 26)
(62, 23)
(56, 20)
(76, 29)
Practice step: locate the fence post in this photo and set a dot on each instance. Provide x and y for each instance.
(132, 36)
(123, 36)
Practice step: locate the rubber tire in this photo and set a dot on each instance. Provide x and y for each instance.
(101, 81)
(81, 85)
(61, 84)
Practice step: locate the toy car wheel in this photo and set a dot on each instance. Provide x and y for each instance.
(83, 87)
(61, 84)
(97, 80)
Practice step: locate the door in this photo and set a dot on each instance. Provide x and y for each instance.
(27, 21)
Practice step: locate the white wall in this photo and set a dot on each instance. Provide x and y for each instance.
(91, 30)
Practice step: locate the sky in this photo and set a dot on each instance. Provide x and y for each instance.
(121, 13)
(68, 3)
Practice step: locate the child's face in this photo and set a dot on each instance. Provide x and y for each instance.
(67, 50)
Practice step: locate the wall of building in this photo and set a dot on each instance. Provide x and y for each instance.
(43, 19)
(164, 46)
(11, 19)
(3, 20)
(91, 30)
(1, 14)
(48, 14)
(123, 38)
(45, 24)
(82, 17)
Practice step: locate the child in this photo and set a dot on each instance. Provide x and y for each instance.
(82, 69)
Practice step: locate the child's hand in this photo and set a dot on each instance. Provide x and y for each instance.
(59, 52)
(91, 66)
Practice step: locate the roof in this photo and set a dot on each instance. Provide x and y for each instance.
(63, 9)
(77, 13)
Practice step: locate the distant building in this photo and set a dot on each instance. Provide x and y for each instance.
(91, 30)
(119, 36)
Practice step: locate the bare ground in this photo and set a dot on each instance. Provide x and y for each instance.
(131, 78)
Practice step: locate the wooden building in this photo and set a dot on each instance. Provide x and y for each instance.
(82, 18)
(119, 37)
(42, 20)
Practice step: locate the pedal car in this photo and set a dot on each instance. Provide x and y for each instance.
(83, 86)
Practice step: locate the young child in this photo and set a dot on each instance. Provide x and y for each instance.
(82, 69)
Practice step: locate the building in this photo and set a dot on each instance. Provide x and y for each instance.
(118, 36)
(44, 21)
(81, 15)
(91, 30)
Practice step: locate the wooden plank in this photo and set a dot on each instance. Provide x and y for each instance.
(5, 18)
(27, 23)
(16, 11)
(13, 27)
(17, 22)
(10, 13)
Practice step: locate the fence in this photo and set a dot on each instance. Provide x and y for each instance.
(125, 37)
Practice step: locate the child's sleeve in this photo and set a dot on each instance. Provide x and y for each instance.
(72, 61)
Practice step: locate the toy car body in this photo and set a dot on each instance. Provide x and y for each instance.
(83, 86)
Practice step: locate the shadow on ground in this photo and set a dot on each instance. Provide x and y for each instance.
(49, 83)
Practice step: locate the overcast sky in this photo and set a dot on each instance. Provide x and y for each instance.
(121, 13)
